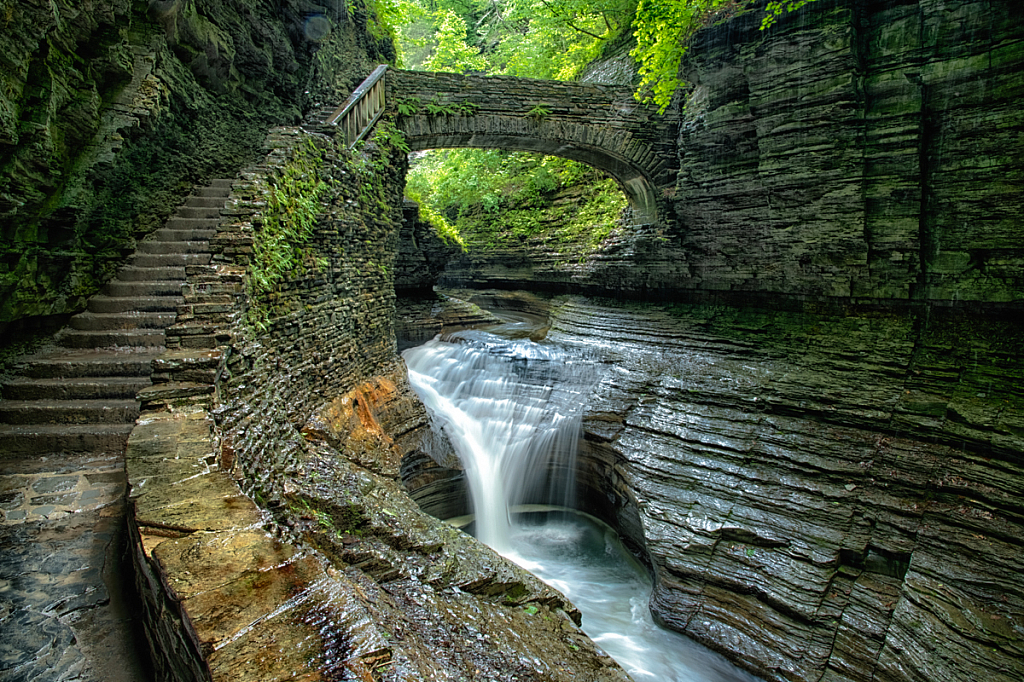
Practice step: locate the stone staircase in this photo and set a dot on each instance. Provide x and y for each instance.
(80, 396)
(64, 423)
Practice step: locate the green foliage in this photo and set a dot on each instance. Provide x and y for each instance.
(281, 244)
(539, 112)
(437, 108)
(444, 229)
(777, 8)
(386, 16)
(495, 198)
(387, 135)
(661, 28)
(409, 106)
(452, 54)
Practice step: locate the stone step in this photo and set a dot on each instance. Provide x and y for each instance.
(18, 440)
(198, 212)
(142, 304)
(222, 183)
(127, 320)
(135, 273)
(119, 289)
(189, 224)
(126, 338)
(213, 191)
(194, 201)
(154, 246)
(78, 388)
(155, 260)
(106, 411)
(92, 363)
(184, 234)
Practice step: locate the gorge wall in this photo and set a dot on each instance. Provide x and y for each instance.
(111, 112)
(813, 429)
(863, 151)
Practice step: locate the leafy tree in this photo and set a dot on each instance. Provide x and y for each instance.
(661, 28)
(452, 54)
(777, 8)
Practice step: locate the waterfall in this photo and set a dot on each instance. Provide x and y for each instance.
(512, 410)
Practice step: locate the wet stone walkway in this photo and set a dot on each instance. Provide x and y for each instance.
(62, 535)
(53, 495)
(66, 609)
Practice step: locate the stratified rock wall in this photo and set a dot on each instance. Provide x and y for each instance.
(862, 150)
(822, 496)
(422, 254)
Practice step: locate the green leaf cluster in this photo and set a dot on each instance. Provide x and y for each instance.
(452, 53)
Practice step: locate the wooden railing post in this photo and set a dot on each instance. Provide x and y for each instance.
(362, 109)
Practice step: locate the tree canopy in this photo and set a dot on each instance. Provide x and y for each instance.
(556, 39)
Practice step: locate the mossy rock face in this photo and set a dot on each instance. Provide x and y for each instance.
(108, 118)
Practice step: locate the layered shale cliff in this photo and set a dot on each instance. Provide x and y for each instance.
(813, 429)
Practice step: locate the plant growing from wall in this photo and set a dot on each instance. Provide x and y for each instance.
(282, 244)
(539, 113)
(408, 106)
(661, 29)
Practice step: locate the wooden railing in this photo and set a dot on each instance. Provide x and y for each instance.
(362, 109)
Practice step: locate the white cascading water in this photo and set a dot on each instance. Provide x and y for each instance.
(512, 410)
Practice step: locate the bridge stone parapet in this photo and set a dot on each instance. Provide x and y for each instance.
(600, 125)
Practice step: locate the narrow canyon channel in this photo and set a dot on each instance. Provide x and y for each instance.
(511, 407)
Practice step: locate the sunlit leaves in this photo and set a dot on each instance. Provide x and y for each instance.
(776, 9)
(661, 28)
(452, 54)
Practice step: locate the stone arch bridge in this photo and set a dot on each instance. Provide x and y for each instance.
(600, 125)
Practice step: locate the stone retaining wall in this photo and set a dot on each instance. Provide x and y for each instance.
(222, 415)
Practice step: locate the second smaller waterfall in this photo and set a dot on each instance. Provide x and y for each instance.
(512, 410)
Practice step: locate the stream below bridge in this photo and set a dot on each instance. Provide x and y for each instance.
(511, 408)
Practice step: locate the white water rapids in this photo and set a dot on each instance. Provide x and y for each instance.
(512, 410)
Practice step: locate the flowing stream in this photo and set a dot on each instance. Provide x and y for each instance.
(512, 410)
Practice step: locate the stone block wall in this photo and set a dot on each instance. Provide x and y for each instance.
(329, 322)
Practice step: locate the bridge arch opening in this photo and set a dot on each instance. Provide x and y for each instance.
(636, 187)
(598, 125)
(495, 195)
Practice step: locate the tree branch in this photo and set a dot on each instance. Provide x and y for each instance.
(568, 21)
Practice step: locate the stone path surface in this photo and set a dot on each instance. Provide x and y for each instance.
(67, 609)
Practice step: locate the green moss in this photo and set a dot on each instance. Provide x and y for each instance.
(282, 242)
